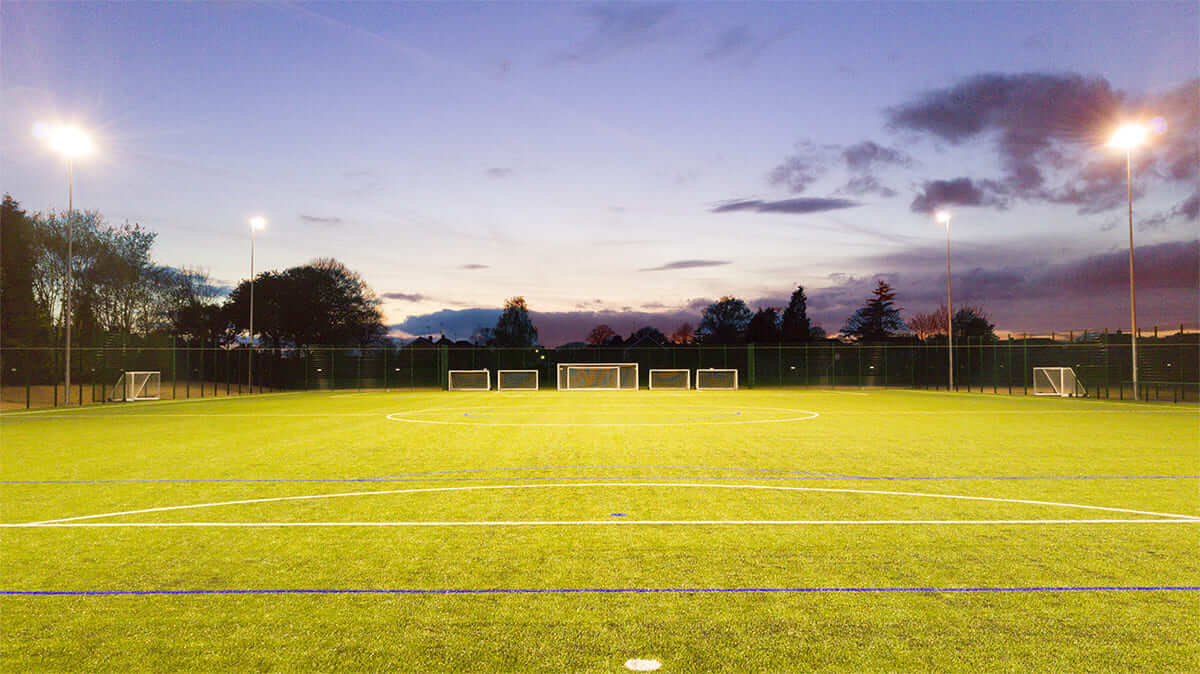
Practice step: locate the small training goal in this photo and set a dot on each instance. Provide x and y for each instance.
(517, 380)
(670, 380)
(137, 386)
(1057, 381)
(597, 376)
(713, 379)
(469, 380)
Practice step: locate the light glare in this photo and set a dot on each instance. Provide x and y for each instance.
(258, 222)
(69, 141)
(1128, 137)
(943, 217)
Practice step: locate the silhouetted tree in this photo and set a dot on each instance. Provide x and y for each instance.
(724, 322)
(973, 322)
(795, 324)
(188, 302)
(928, 325)
(647, 332)
(877, 320)
(514, 328)
(21, 317)
(682, 334)
(320, 303)
(600, 334)
(764, 326)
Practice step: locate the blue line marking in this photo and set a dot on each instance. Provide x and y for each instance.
(607, 590)
(617, 514)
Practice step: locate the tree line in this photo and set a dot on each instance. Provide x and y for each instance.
(122, 297)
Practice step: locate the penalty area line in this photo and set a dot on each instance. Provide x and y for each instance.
(538, 523)
(602, 590)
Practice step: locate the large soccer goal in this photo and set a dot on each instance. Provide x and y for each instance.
(1057, 381)
(670, 380)
(713, 379)
(137, 386)
(469, 380)
(597, 376)
(517, 380)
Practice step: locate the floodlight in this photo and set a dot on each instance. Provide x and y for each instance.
(68, 141)
(942, 217)
(1128, 137)
(258, 222)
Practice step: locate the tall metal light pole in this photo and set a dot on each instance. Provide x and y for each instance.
(944, 218)
(1126, 138)
(70, 142)
(256, 223)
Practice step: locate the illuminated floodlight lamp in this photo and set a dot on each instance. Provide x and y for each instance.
(258, 223)
(1128, 136)
(68, 141)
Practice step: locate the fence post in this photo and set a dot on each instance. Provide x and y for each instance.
(28, 380)
(1025, 364)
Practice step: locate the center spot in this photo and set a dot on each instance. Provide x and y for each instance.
(636, 665)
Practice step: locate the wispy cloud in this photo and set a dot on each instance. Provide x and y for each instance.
(473, 266)
(616, 28)
(499, 172)
(330, 221)
(405, 297)
(687, 264)
(793, 206)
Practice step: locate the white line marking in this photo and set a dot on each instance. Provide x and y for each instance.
(536, 523)
(426, 490)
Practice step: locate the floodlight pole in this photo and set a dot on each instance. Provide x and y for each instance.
(250, 355)
(1132, 298)
(70, 274)
(944, 218)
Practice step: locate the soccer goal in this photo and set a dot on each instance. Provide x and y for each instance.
(132, 386)
(713, 379)
(670, 380)
(597, 376)
(517, 380)
(469, 380)
(1056, 381)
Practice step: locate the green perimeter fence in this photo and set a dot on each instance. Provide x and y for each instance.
(1169, 367)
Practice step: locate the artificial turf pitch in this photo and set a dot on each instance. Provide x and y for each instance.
(748, 530)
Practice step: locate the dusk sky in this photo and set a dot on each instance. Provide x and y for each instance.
(629, 163)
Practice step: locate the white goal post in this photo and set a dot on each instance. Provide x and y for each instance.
(597, 376)
(1057, 381)
(670, 380)
(713, 379)
(137, 385)
(517, 380)
(469, 380)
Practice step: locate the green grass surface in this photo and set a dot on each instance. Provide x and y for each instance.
(562, 458)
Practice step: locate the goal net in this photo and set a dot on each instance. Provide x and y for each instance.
(132, 386)
(597, 376)
(670, 380)
(469, 380)
(517, 380)
(1056, 381)
(716, 380)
